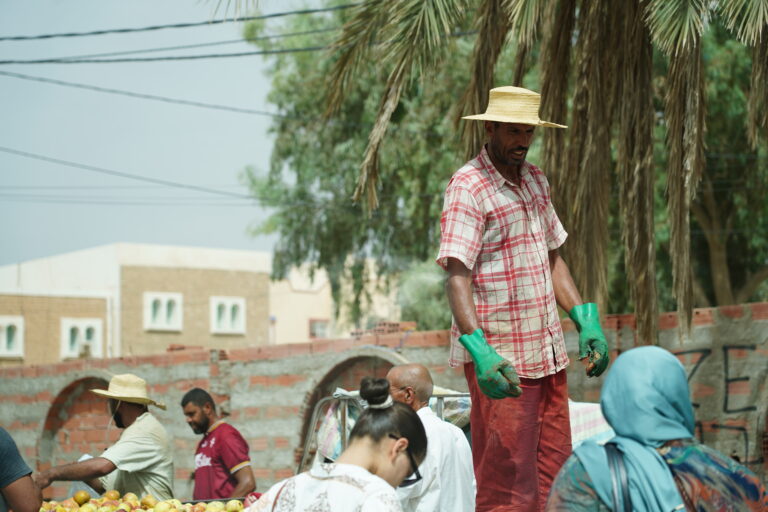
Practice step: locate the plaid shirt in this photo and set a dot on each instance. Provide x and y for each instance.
(504, 234)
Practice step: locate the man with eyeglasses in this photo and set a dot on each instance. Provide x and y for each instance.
(445, 480)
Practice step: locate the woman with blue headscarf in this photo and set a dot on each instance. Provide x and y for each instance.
(646, 400)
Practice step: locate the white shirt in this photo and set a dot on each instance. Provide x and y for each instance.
(330, 488)
(448, 477)
(144, 460)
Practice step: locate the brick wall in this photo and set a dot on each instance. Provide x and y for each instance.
(269, 392)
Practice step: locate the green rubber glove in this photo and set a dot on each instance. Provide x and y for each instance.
(592, 342)
(496, 376)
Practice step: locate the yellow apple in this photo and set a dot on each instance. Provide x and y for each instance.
(175, 503)
(234, 505)
(112, 494)
(162, 506)
(81, 497)
(88, 507)
(215, 506)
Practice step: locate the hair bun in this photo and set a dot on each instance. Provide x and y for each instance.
(374, 391)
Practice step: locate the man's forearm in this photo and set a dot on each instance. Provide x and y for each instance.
(566, 294)
(246, 484)
(459, 290)
(80, 471)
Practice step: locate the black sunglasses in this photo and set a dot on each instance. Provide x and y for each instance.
(409, 481)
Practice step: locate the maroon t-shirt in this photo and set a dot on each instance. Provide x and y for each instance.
(220, 453)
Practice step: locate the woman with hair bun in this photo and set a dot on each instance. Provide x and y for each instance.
(387, 444)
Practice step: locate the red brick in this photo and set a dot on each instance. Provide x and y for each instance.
(213, 370)
(94, 436)
(262, 473)
(182, 473)
(252, 412)
(77, 436)
(759, 310)
(703, 316)
(668, 321)
(258, 444)
(702, 390)
(276, 380)
(281, 442)
(280, 474)
(742, 387)
(735, 311)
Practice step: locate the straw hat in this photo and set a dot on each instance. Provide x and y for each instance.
(514, 105)
(128, 388)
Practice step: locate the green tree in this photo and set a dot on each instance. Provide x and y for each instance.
(625, 78)
(600, 54)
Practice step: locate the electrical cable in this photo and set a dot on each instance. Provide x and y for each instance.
(120, 174)
(203, 45)
(178, 25)
(166, 99)
(169, 58)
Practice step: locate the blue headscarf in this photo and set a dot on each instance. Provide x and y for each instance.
(646, 400)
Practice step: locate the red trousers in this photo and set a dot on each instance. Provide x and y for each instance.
(519, 444)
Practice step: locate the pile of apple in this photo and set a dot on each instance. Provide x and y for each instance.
(111, 501)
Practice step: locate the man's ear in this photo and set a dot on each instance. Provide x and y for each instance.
(410, 395)
(209, 408)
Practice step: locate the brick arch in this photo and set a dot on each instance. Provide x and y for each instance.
(77, 422)
(346, 372)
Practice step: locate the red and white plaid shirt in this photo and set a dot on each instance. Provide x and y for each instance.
(504, 234)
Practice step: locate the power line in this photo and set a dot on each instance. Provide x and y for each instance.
(177, 25)
(203, 45)
(166, 99)
(169, 58)
(121, 174)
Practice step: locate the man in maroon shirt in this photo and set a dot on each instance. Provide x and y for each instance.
(222, 465)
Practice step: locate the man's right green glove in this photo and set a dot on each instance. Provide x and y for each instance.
(496, 376)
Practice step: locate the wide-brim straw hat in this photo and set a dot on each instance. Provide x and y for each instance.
(514, 105)
(127, 387)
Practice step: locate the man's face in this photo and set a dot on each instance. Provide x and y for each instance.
(114, 409)
(197, 418)
(509, 142)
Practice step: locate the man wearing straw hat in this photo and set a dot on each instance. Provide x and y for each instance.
(499, 243)
(140, 462)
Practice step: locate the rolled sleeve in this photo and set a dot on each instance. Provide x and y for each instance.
(556, 234)
(461, 228)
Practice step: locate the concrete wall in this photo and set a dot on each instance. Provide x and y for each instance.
(197, 286)
(269, 392)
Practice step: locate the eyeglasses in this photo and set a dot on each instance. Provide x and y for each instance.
(409, 481)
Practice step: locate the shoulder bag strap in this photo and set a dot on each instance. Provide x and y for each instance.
(619, 480)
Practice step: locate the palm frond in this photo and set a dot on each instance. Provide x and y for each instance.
(748, 19)
(589, 158)
(555, 71)
(525, 16)
(354, 45)
(493, 26)
(635, 166)
(414, 40)
(757, 107)
(685, 139)
(676, 24)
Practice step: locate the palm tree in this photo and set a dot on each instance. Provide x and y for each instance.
(600, 55)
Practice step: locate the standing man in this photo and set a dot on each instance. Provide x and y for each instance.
(222, 465)
(140, 462)
(17, 490)
(499, 243)
(448, 482)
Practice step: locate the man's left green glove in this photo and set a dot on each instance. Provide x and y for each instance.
(592, 342)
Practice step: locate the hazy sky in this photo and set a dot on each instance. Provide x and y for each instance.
(47, 208)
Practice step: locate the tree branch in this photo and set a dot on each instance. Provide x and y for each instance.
(751, 285)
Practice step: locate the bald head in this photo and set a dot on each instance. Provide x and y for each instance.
(410, 384)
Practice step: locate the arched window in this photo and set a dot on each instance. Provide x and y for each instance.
(220, 312)
(10, 338)
(155, 310)
(73, 335)
(170, 310)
